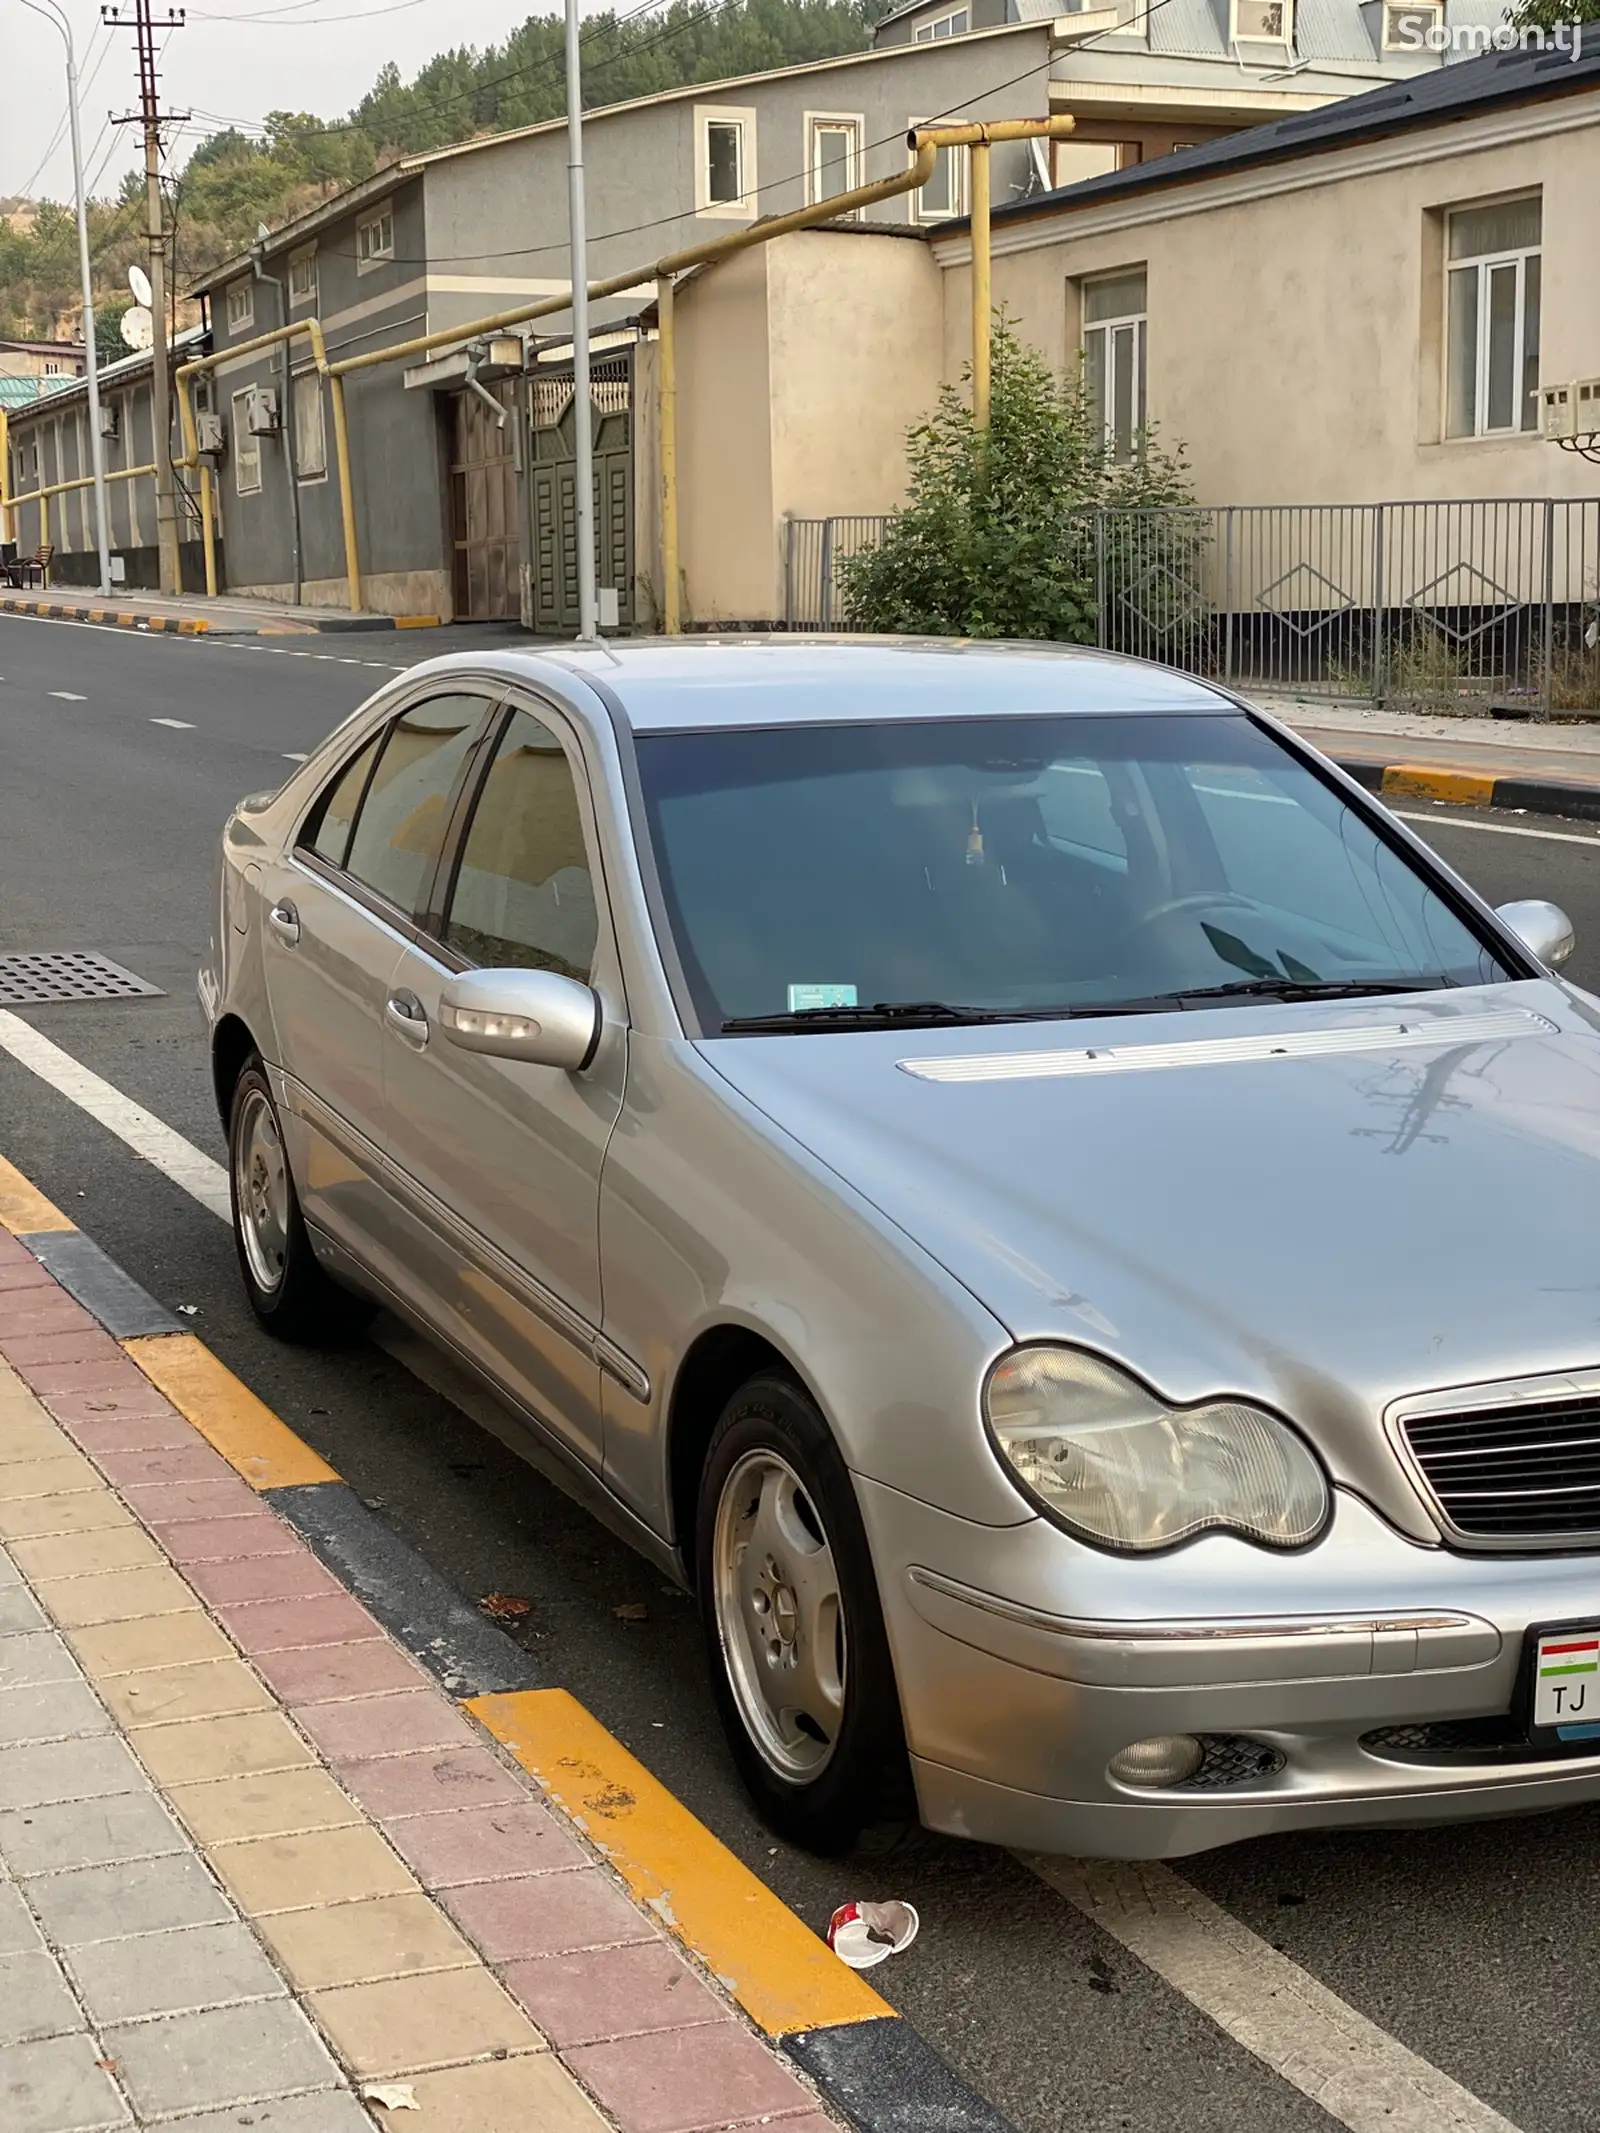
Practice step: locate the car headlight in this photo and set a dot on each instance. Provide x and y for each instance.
(1103, 1456)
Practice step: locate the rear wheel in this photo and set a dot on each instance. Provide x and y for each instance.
(800, 1661)
(288, 1291)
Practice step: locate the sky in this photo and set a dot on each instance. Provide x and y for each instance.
(232, 59)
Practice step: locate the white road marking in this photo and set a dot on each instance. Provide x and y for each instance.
(181, 725)
(1359, 2075)
(291, 757)
(138, 1129)
(1309, 2037)
(68, 696)
(1498, 829)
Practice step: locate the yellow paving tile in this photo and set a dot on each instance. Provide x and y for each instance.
(215, 1688)
(500, 2096)
(321, 1867)
(23, 1208)
(83, 1555)
(227, 1413)
(117, 1596)
(92, 1511)
(379, 1936)
(221, 1747)
(59, 1475)
(159, 1641)
(275, 1805)
(407, 2024)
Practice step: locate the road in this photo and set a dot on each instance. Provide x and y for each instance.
(119, 757)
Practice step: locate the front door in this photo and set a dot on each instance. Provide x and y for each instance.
(483, 509)
(500, 1161)
(552, 597)
(337, 917)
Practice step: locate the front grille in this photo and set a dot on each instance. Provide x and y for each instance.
(1523, 1472)
(1459, 1742)
(1229, 1759)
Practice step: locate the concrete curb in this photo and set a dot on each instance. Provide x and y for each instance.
(203, 626)
(870, 2065)
(1576, 798)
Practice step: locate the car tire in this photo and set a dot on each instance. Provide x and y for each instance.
(288, 1291)
(800, 1660)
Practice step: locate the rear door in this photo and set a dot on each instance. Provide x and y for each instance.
(338, 914)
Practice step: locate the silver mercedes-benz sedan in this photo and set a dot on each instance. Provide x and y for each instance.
(1055, 1214)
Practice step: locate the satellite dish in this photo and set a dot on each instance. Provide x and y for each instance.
(139, 283)
(138, 327)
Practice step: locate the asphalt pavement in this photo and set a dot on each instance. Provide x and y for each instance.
(119, 758)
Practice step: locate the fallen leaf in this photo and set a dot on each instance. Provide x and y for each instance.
(504, 1606)
(632, 1611)
(392, 2095)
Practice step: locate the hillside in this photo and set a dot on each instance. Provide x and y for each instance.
(235, 180)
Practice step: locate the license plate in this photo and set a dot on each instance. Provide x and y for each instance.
(1564, 1700)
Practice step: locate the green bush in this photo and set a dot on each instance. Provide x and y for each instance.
(996, 538)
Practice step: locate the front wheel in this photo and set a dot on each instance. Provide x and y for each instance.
(288, 1291)
(800, 1662)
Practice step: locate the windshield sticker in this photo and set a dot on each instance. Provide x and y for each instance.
(802, 997)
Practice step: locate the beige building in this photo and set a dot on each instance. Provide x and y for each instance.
(42, 359)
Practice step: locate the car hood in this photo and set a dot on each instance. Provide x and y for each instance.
(1319, 1206)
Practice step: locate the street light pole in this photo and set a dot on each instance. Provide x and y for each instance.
(97, 450)
(582, 413)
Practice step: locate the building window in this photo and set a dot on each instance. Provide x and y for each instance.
(1114, 357)
(241, 306)
(834, 162)
(945, 193)
(51, 370)
(725, 162)
(1410, 26)
(310, 435)
(246, 448)
(1492, 322)
(303, 277)
(1262, 22)
(955, 24)
(375, 240)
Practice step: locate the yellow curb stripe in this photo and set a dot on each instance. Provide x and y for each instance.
(1423, 781)
(781, 1974)
(416, 622)
(227, 1413)
(23, 1208)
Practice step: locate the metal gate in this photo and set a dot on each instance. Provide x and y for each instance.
(486, 551)
(550, 584)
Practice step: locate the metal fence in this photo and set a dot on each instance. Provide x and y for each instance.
(1475, 606)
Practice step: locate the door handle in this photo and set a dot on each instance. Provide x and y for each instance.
(284, 920)
(406, 1016)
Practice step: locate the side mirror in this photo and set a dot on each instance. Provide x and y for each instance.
(536, 1016)
(1543, 929)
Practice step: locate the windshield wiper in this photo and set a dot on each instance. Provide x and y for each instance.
(1305, 989)
(932, 1014)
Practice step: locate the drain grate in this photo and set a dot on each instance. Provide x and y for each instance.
(66, 974)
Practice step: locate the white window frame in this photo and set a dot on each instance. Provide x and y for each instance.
(820, 122)
(298, 263)
(1481, 266)
(305, 475)
(246, 447)
(744, 118)
(382, 252)
(1433, 9)
(960, 167)
(1125, 336)
(241, 305)
(955, 23)
(1238, 36)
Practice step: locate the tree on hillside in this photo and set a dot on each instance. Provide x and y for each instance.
(1554, 14)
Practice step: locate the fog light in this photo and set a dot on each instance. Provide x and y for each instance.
(1167, 1759)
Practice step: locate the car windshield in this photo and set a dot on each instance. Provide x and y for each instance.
(1022, 866)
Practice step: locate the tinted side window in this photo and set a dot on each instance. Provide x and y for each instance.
(336, 812)
(402, 819)
(523, 896)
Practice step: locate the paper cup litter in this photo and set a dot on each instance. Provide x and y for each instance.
(864, 1934)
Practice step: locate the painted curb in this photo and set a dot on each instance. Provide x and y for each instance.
(1575, 798)
(204, 626)
(867, 2062)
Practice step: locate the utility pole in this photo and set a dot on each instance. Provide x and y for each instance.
(582, 406)
(150, 118)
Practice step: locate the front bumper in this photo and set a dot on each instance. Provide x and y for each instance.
(1026, 1662)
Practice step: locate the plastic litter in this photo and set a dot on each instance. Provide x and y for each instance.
(865, 1934)
(391, 2095)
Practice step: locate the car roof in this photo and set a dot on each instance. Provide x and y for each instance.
(664, 685)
